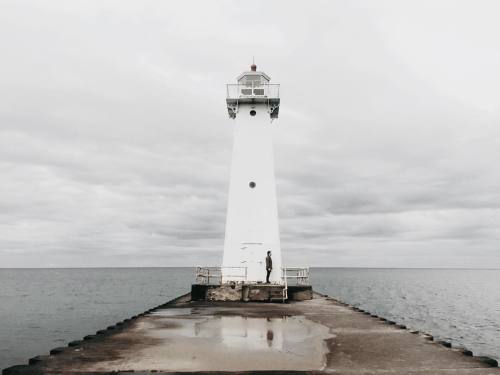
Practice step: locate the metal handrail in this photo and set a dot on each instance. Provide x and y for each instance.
(300, 274)
(241, 90)
(206, 274)
(285, 289)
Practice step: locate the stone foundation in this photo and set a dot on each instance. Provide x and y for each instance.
(300, 292)
(249, 292)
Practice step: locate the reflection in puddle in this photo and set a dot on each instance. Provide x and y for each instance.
(254, 333)
(174, 312)
(282, 334)
(270, 337)
(221, 339)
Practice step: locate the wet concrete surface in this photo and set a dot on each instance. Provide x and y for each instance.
(315, 336)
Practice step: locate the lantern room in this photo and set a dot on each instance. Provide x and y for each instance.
(253, 87)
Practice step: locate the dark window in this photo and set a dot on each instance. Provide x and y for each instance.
(251, 184)
(252, 113)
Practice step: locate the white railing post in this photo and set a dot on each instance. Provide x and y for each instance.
(300, 274)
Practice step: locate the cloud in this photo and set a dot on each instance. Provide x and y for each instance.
(115, 144)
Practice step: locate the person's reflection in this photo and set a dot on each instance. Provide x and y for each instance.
(197, 328)
(270, 337)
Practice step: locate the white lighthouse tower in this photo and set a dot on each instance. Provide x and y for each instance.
(252, 227)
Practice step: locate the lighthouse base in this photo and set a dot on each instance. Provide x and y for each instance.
(251, 292)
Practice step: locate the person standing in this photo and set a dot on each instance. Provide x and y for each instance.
(269, 266)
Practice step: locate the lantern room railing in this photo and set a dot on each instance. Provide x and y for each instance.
(253, 90)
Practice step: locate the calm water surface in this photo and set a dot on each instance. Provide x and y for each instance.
(461, 306)
(44, 308)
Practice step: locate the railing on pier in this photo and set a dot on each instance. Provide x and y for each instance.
(295, 275)
(253, 90)
(298, 276)
(214, 275)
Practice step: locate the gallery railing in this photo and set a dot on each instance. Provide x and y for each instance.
(214, 275)
(253, 90)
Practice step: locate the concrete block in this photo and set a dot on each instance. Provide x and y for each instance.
(38, 359)
(199, 291)
(300, 292)
(446, 344)
(225, 293)
(258, 294)
(20, 370)
(489, 361)
(56, 351)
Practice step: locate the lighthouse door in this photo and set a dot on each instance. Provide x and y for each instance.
(254, 261)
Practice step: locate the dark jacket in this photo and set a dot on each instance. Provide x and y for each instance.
(269, 262)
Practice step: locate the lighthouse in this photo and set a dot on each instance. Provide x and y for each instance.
(252, 227)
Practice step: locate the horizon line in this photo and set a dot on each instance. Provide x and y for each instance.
(315, 267)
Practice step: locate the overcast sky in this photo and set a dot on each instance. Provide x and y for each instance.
(115, 144)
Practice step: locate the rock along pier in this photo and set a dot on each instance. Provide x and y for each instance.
(313, 336)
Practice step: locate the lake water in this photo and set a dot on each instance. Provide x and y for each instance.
(461, 306)
(44, 308)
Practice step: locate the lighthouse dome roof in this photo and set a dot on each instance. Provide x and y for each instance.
(253, 75)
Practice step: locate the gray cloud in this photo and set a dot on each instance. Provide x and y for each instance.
(115, 144)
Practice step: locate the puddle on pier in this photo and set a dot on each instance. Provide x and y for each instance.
(243, 332)
(187, 340)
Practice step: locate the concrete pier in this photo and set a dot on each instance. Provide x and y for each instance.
(314, 336)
